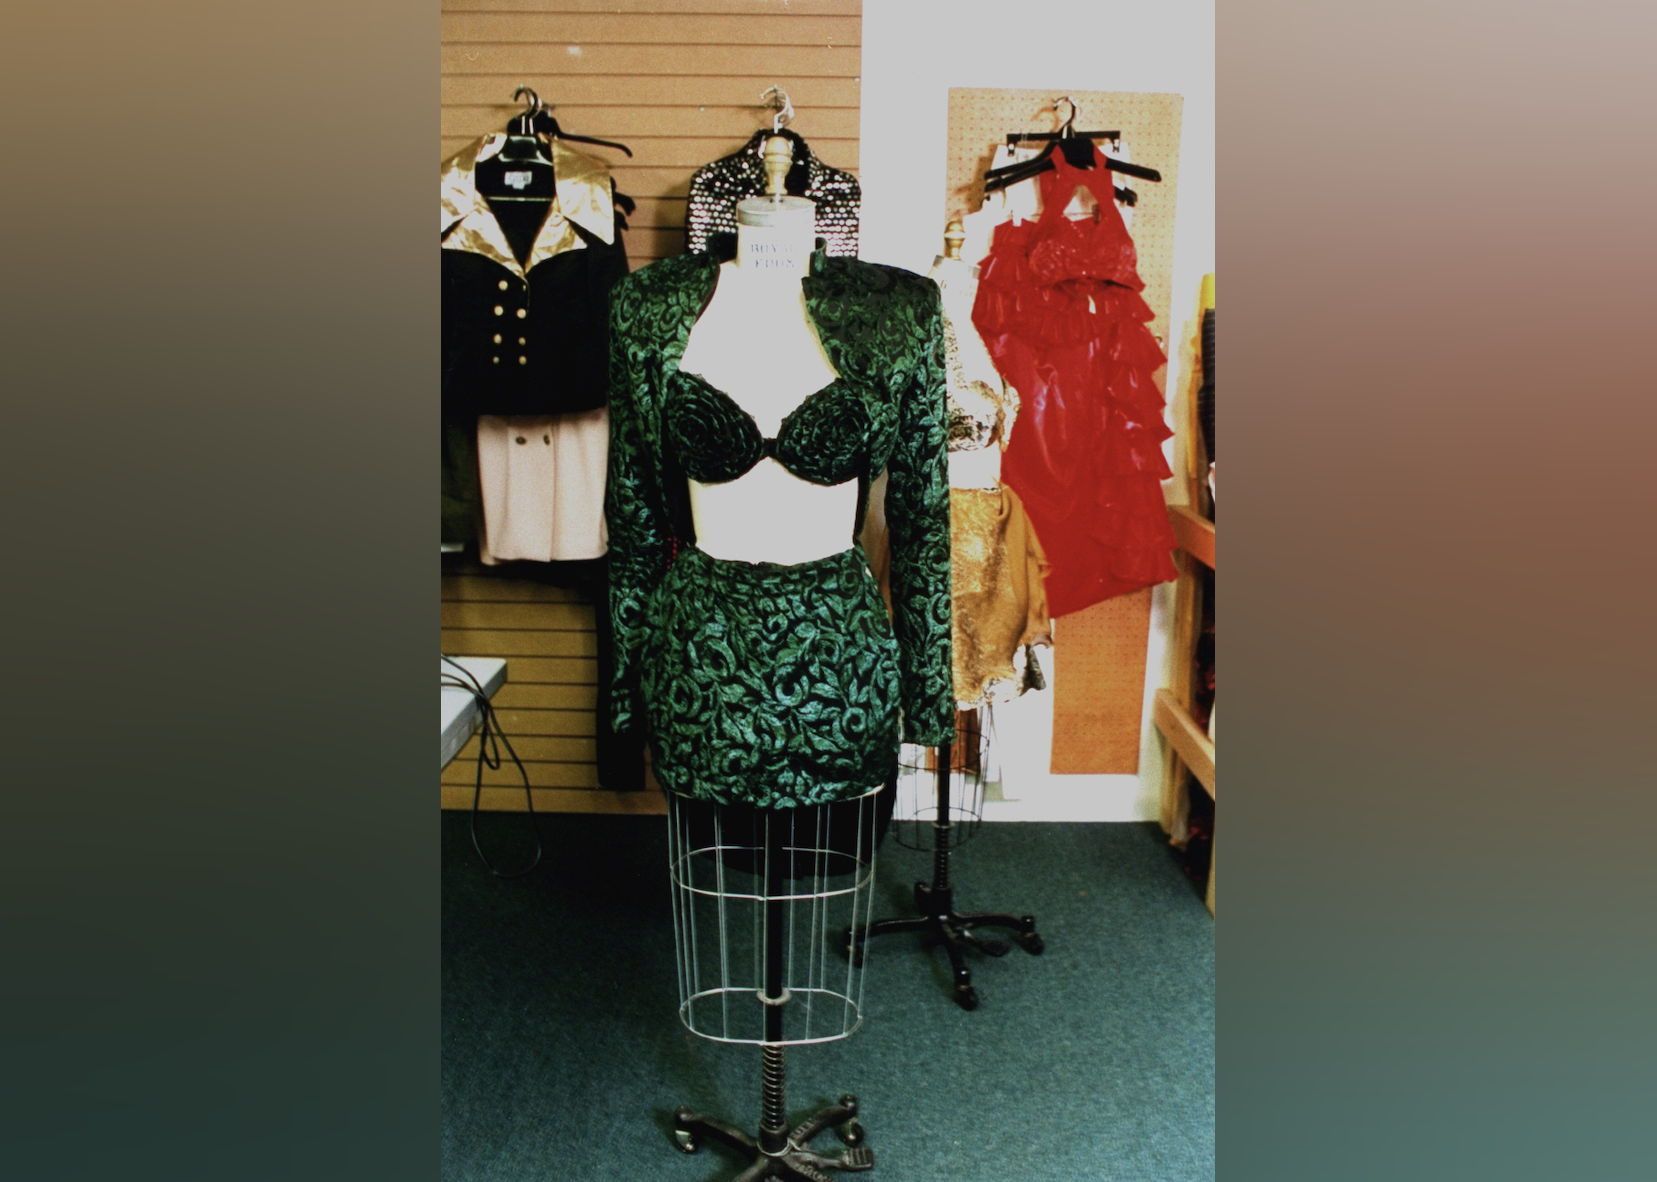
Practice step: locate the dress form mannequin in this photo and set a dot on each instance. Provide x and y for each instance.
(981, 409)
(756, 342)
(756, 877)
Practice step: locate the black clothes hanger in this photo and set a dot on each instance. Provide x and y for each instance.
(521, 171)
(1000, 178)
(1077, 147)
(520, 181)
(547, 125)
(1018, 137)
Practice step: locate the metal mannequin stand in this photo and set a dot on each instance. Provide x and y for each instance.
(759, 897)
(936, 902)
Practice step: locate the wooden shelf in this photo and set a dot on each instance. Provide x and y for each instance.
(1195, 533)
(1186, 746)
(1187, 739)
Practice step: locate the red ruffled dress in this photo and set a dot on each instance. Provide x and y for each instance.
(1059, 309)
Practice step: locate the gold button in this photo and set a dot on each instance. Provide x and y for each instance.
(503, 285)
(498, 339)
(521, 341)
(496, 360)
(521, 439)
(522, 312)
(523, 361)
(499, 310)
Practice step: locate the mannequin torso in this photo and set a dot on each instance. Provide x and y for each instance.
(757, 344)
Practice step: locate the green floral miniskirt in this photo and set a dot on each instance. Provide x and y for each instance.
(771, 685)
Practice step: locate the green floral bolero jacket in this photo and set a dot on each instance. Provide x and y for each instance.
(882, 328)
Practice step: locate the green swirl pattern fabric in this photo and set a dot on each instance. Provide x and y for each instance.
(761, 683)
(770, 685)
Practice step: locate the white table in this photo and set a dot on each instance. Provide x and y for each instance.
(461, 715)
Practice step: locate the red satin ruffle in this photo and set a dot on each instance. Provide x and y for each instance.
(1059, 309)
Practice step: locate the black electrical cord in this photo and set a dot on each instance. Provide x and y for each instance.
(490, 740)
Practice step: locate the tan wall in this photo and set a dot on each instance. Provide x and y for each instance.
(678, 82)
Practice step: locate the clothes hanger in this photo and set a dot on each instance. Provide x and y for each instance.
(1012, 174)
(782, 114)
(521, 171)
(1077, 147)
(541, 120)
(1078, 151)
(547, 125)
(1001, 178)
(544, 123)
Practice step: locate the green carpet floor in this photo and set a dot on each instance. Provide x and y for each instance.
(563, 1058)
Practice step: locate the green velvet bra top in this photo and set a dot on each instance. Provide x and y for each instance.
(828, 439)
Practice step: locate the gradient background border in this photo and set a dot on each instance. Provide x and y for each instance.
(220, 901)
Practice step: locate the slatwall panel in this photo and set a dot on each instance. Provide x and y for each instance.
(679, 82)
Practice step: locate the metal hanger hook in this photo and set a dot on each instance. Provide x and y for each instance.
(1068, 127)
(534, 109)
(781, 105)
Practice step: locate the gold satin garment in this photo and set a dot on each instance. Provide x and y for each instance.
(997, 569)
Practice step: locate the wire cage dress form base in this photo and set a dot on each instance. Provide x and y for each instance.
(770, 889)
(973, 764)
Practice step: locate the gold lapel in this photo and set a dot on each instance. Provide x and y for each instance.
(583, 198)
(584, 191)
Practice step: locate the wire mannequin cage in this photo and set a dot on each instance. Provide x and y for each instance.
(973, 763)
(761, 901)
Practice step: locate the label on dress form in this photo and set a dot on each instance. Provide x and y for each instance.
(778, 249)
(519, 180)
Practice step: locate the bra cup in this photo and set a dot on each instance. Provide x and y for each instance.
(715, 439)
(828, 439)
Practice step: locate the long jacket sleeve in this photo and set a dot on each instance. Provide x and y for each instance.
(635, 504)
(885, 325)
(917, 518)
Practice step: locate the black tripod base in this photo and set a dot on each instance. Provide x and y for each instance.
(780, 1153)
(954, 930)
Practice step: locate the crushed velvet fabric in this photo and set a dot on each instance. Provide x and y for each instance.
(826, 440)
(771, 685)
(795, 694)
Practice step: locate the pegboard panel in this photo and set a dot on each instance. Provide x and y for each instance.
(1150, 125)
(1099, 686)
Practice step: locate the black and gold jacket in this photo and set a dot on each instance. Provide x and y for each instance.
(882, 328)
(527, 338)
